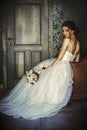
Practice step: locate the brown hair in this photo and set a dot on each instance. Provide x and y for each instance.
(71, 25)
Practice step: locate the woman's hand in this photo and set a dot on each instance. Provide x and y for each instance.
(41, 70)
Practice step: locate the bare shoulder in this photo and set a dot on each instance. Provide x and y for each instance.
(66, 41)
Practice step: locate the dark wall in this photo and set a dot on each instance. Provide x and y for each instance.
(77, 11)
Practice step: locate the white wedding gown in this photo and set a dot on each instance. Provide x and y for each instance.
(44, 99)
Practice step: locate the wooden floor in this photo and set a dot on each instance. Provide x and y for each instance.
(71, 117)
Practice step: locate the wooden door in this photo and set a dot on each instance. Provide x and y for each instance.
(26, 37)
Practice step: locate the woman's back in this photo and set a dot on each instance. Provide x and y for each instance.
(73, 46)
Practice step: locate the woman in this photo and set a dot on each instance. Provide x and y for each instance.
(53, 89)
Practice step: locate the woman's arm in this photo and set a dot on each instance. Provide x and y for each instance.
(78, 52)
(77, 58)
(63, 48)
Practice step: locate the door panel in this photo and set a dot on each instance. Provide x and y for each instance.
(27, 22)
(19, 64)
(27, 39)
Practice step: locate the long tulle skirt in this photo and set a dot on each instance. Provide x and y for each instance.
(51, 92)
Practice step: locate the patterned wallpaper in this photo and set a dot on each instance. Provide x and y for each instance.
(58, 16)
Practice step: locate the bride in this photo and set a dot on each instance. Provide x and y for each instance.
(53, 88)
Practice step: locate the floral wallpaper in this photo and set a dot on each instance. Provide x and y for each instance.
(58, 16)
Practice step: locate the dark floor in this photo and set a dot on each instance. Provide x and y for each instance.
(71, 117)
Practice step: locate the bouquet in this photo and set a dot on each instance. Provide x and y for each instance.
(32, 76)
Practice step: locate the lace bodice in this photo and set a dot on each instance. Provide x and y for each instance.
(68, 56)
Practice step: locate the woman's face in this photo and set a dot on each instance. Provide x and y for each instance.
(67, 32)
